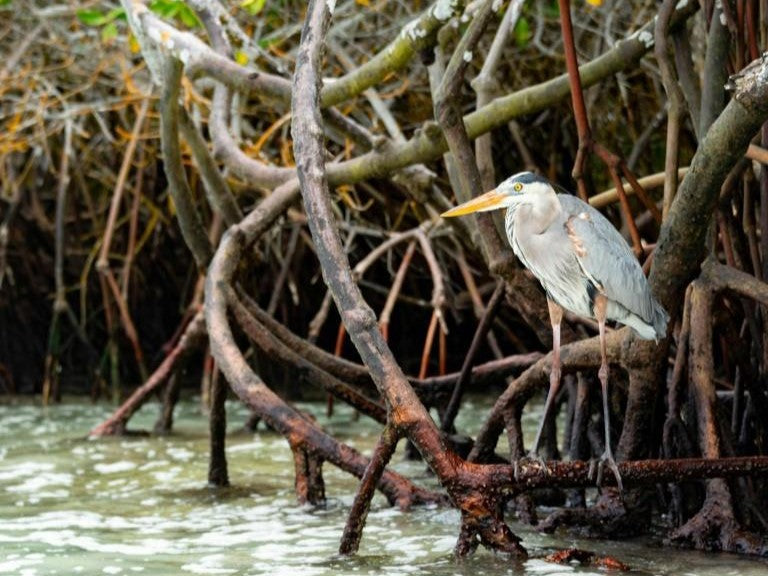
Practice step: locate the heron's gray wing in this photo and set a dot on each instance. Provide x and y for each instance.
(606, 258)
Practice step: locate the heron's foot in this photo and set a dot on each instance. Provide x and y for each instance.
(530, 458)
(597, 467)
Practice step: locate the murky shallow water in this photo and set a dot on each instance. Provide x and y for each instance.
(140, 506)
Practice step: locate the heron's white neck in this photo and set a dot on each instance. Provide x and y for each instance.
(534, 217)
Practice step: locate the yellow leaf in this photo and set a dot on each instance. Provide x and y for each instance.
(363, 2)
(595, 2)
(133, 44)
(241, 58)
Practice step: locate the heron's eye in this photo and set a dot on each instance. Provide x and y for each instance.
(517, 187)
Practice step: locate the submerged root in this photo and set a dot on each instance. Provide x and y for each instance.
(491, 531)
(610, 517)
(587, 558)
(715, 528)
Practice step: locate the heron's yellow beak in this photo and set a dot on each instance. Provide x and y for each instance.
(488, 201)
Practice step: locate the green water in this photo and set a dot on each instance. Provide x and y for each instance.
(140, 505)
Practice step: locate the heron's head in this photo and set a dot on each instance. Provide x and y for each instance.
(520, 188)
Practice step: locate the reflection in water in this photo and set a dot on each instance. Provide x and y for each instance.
(139, 505)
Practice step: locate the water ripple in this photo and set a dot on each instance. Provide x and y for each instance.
(140, 505)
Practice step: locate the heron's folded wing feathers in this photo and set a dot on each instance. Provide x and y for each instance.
(607, 259)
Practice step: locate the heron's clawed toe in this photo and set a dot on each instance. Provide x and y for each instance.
(593, 469)
(532, 458)
(538, 459)
(599, 466)
(516, 469)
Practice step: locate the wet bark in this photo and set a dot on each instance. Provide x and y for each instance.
(218, 473)
(164, 423)
(309, 483)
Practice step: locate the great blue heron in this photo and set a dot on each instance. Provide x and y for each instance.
(584, 265)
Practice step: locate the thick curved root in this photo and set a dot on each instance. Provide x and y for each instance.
(715, 529)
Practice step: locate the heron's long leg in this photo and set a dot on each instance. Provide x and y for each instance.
(601, 304)
(555, 317)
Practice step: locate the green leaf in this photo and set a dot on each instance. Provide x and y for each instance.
(109, 32)
(522, 32)
(98, 18)
(253, 6)
(188, 17)
(91, 17)
(5, 2)
(175, 9)
(265, 43)
(116, 14)
(164, 8)
(552, 10)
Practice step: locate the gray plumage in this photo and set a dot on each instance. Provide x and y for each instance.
(576, 253)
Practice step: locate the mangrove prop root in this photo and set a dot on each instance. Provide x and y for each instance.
(115, 425)
(715, 529)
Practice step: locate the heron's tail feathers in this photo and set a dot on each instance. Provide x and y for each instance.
(660, 321)
(653, 329)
